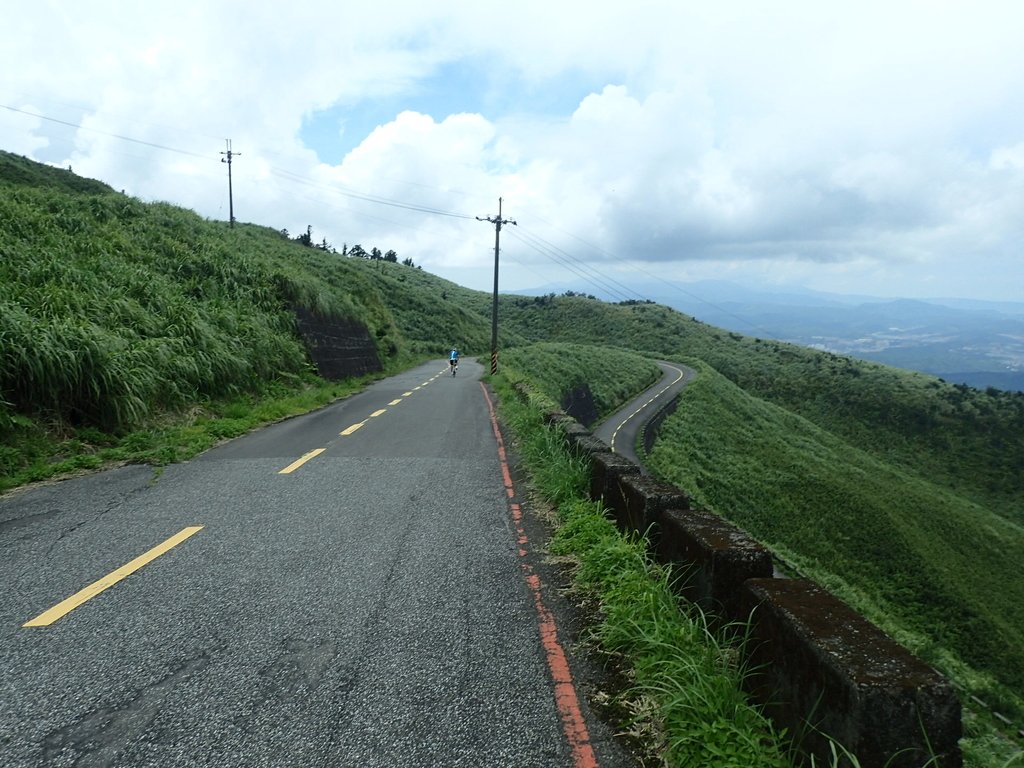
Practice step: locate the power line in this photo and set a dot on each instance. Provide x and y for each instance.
(660, 278)
(348, 192)
(576, 266)
(105, 133)
(532, 240)
(356, 195)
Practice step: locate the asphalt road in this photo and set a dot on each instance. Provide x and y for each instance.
(373, 606)
(622, 429)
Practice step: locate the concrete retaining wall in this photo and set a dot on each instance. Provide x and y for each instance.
(825, 669)
(338, 348)
(822, 668)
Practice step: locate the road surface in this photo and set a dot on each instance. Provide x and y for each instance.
(359, 586)
(622, 429)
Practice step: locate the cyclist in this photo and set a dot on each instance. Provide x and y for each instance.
(453, 360)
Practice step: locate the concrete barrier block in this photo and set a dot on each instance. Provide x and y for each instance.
(713, 558)
(572, 429)
(584, 444)
(822, 668)
(555, 417)
(645, 499)
(606, 469)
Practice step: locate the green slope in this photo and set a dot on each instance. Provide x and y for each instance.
(965, 440)
(938, 570)
(113, 311)
(901, 492)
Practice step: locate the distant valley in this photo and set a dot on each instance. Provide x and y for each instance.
(977, 343)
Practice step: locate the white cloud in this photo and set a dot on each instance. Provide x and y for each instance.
(839, 143)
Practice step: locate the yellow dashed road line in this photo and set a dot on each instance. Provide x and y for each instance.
(66, 606)
(299, 462)
(353, 428)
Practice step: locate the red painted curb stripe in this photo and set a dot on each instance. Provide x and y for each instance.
(566, 699)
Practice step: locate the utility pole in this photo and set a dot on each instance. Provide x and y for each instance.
(497, 221)
(231, 202)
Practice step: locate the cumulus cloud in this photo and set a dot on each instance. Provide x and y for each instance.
(832, 144)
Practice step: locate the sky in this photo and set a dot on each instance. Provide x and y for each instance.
(860, 147)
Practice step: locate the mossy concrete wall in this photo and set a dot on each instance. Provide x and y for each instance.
(822, 670)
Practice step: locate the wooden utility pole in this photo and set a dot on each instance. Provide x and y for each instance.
(231, 201)
(497, 221)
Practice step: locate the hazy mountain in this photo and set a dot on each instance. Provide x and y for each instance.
(963, 341)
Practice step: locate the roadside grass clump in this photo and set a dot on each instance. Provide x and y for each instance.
(693, 678)
(32, 452)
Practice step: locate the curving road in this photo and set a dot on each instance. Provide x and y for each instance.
(354, 587)
(622, 429)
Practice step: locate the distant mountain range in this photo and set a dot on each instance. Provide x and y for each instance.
(977, 343)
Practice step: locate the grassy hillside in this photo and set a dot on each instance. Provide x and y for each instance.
(909, 555)
(965, 440)
(940, 571)
(907, 493)
(116, 314)
(612, 375)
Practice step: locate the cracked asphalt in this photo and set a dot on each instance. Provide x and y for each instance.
(367, 608)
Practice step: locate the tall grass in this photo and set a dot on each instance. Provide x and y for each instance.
(112, 311)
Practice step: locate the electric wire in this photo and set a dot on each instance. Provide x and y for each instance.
(669, 283)
(574, 265)
(356, 195)
(106, 133)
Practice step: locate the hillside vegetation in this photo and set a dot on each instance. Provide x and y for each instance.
(910, 556)
(115, 314)
(964, 439)
(612, 375)
(940, 571)
(903, 493)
